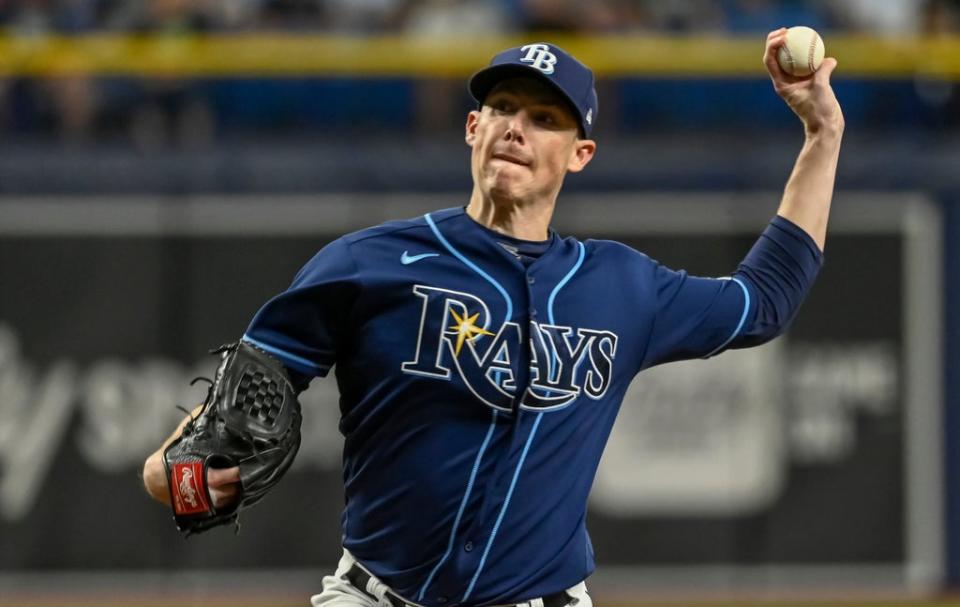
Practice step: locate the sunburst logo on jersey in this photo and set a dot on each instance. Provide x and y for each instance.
(466, 329)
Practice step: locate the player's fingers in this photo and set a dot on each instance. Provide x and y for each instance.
(773, 43)
(776, 32)
(224, 495)
(770, 58)
(822, 75)
(776, 40)
(223, 477)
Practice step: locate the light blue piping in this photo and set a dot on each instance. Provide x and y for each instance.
(533, 432)
(553, 296)
(743, 317)
(471, 265)
(463, 504)
(563, 283)
(483, 447)
(286, 355)
(496, 526)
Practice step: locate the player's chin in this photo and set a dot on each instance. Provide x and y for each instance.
(507, 189)
(509, 177)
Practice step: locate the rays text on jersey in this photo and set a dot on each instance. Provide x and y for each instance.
(456, 331)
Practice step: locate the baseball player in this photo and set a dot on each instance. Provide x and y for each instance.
(481, 357)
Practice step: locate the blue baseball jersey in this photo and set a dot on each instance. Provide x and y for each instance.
(478, 387)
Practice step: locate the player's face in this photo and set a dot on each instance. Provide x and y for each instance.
(524, 141)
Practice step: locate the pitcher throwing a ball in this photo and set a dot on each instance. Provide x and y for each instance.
(482, 357)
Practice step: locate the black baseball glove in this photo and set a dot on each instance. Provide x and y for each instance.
(251, 419)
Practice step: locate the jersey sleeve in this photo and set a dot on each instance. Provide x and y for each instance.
(699, 317)
(304, 326)
(695, 317)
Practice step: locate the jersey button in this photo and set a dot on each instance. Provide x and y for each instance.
(531, 280)
(468, 547)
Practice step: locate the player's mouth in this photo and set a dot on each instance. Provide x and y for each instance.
(511, 158)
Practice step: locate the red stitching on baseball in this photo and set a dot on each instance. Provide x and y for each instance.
(789, 56)
(810, 53)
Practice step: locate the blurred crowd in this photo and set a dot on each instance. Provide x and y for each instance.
(161, 112)
(452, 16)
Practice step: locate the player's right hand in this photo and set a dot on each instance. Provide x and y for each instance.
(224, 485)
(811, 98)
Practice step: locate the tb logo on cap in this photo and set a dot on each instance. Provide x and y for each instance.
(539, 56)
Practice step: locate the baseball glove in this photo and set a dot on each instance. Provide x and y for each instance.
(251, 419)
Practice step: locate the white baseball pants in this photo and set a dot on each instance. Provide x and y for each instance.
(338, 592)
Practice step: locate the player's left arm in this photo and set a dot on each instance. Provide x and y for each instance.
(809, 191)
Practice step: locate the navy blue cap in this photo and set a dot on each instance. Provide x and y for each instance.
(549, 63)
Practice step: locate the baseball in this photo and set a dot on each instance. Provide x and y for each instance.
(802, 53)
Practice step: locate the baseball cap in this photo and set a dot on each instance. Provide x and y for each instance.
(549, 63)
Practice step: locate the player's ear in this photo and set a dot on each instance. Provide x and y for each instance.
(582, 154)
(471, 129)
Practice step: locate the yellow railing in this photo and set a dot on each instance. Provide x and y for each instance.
(316, 55)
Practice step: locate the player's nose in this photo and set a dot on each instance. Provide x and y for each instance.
(516, 127)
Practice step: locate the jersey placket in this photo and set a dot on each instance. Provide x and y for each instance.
(458, 579)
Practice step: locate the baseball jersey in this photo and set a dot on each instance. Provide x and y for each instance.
(478, 386)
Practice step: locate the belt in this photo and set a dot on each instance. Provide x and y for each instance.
(359, 578)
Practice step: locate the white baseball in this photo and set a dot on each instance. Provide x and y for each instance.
(802, 53)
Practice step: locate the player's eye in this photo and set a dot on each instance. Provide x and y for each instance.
(503, 106)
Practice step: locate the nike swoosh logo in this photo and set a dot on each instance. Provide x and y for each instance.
(407, 259)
